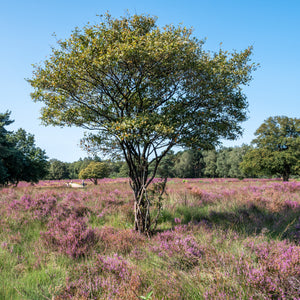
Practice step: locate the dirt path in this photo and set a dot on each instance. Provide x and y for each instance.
(75, 185)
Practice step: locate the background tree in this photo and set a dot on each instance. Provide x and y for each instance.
(34, 164)
(141, 90)
(95, 171)
(115, 168)
(166, 167)
(57, 170)
(189, 164)
(20, 159)
(7, 151)
(223, 163)
(277, 148)
(235, 157)
(124, 170)
(210, 162)
(74, 168)
(182, 166)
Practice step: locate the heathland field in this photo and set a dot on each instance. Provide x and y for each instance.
(216, 239)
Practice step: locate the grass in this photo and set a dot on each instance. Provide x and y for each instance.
(216, 239)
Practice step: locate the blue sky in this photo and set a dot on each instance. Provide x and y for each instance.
(272, 27)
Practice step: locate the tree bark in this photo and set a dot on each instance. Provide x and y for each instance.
(285, 176)
(142, 220)
(286, 172)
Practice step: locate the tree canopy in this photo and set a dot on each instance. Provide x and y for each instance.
(20, 159)
(95, 171)
(57, 170)
(277, 150)
(140, 90)
(8, 154)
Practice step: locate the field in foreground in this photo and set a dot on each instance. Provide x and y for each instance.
(216, 239)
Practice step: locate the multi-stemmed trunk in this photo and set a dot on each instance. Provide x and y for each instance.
(139, 185)
(142, 221)
(146, 200)
(147, 206)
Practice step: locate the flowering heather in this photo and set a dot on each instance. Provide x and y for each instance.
(121, 241)
(277, 271)
(182, 249)
(41, 206)
(109, 277)
(70, 236)
(216, 239)
(64, 182)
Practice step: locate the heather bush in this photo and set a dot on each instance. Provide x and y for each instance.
(277, 271)
(108, 277)
(203, 196)
(70, 236)
(182, 250)
(121, 241)
(71, 206)
(42, 206)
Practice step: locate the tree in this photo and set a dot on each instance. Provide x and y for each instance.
(182, 165)
(166, 166)
(223, 164)
(124, 170)
(95, 171)
(74, 168)
(34, 159)
(20, 159)
(277, 148)
(141, 90)
(210, 162)
(189, 164)
(7, 151)
(229, 160)
(235, 157)
(57, 170)
(115, 167)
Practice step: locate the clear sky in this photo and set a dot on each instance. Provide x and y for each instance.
(272, 27)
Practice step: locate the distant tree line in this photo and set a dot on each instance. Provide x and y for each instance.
(274, 152)
(224, 162)
(58, 170)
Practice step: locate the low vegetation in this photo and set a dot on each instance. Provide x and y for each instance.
(216, 239)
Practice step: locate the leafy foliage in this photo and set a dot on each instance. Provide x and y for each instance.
(20, 159)
(228, 161)
(8, 153)
(57, 170)
(210, 161)
(35, 162)
(277, 148)
(166, 169)
(189, 164)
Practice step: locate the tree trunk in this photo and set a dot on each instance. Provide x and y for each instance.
(286, 172)
(142, 221)
(285, 176)
(139, 181)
